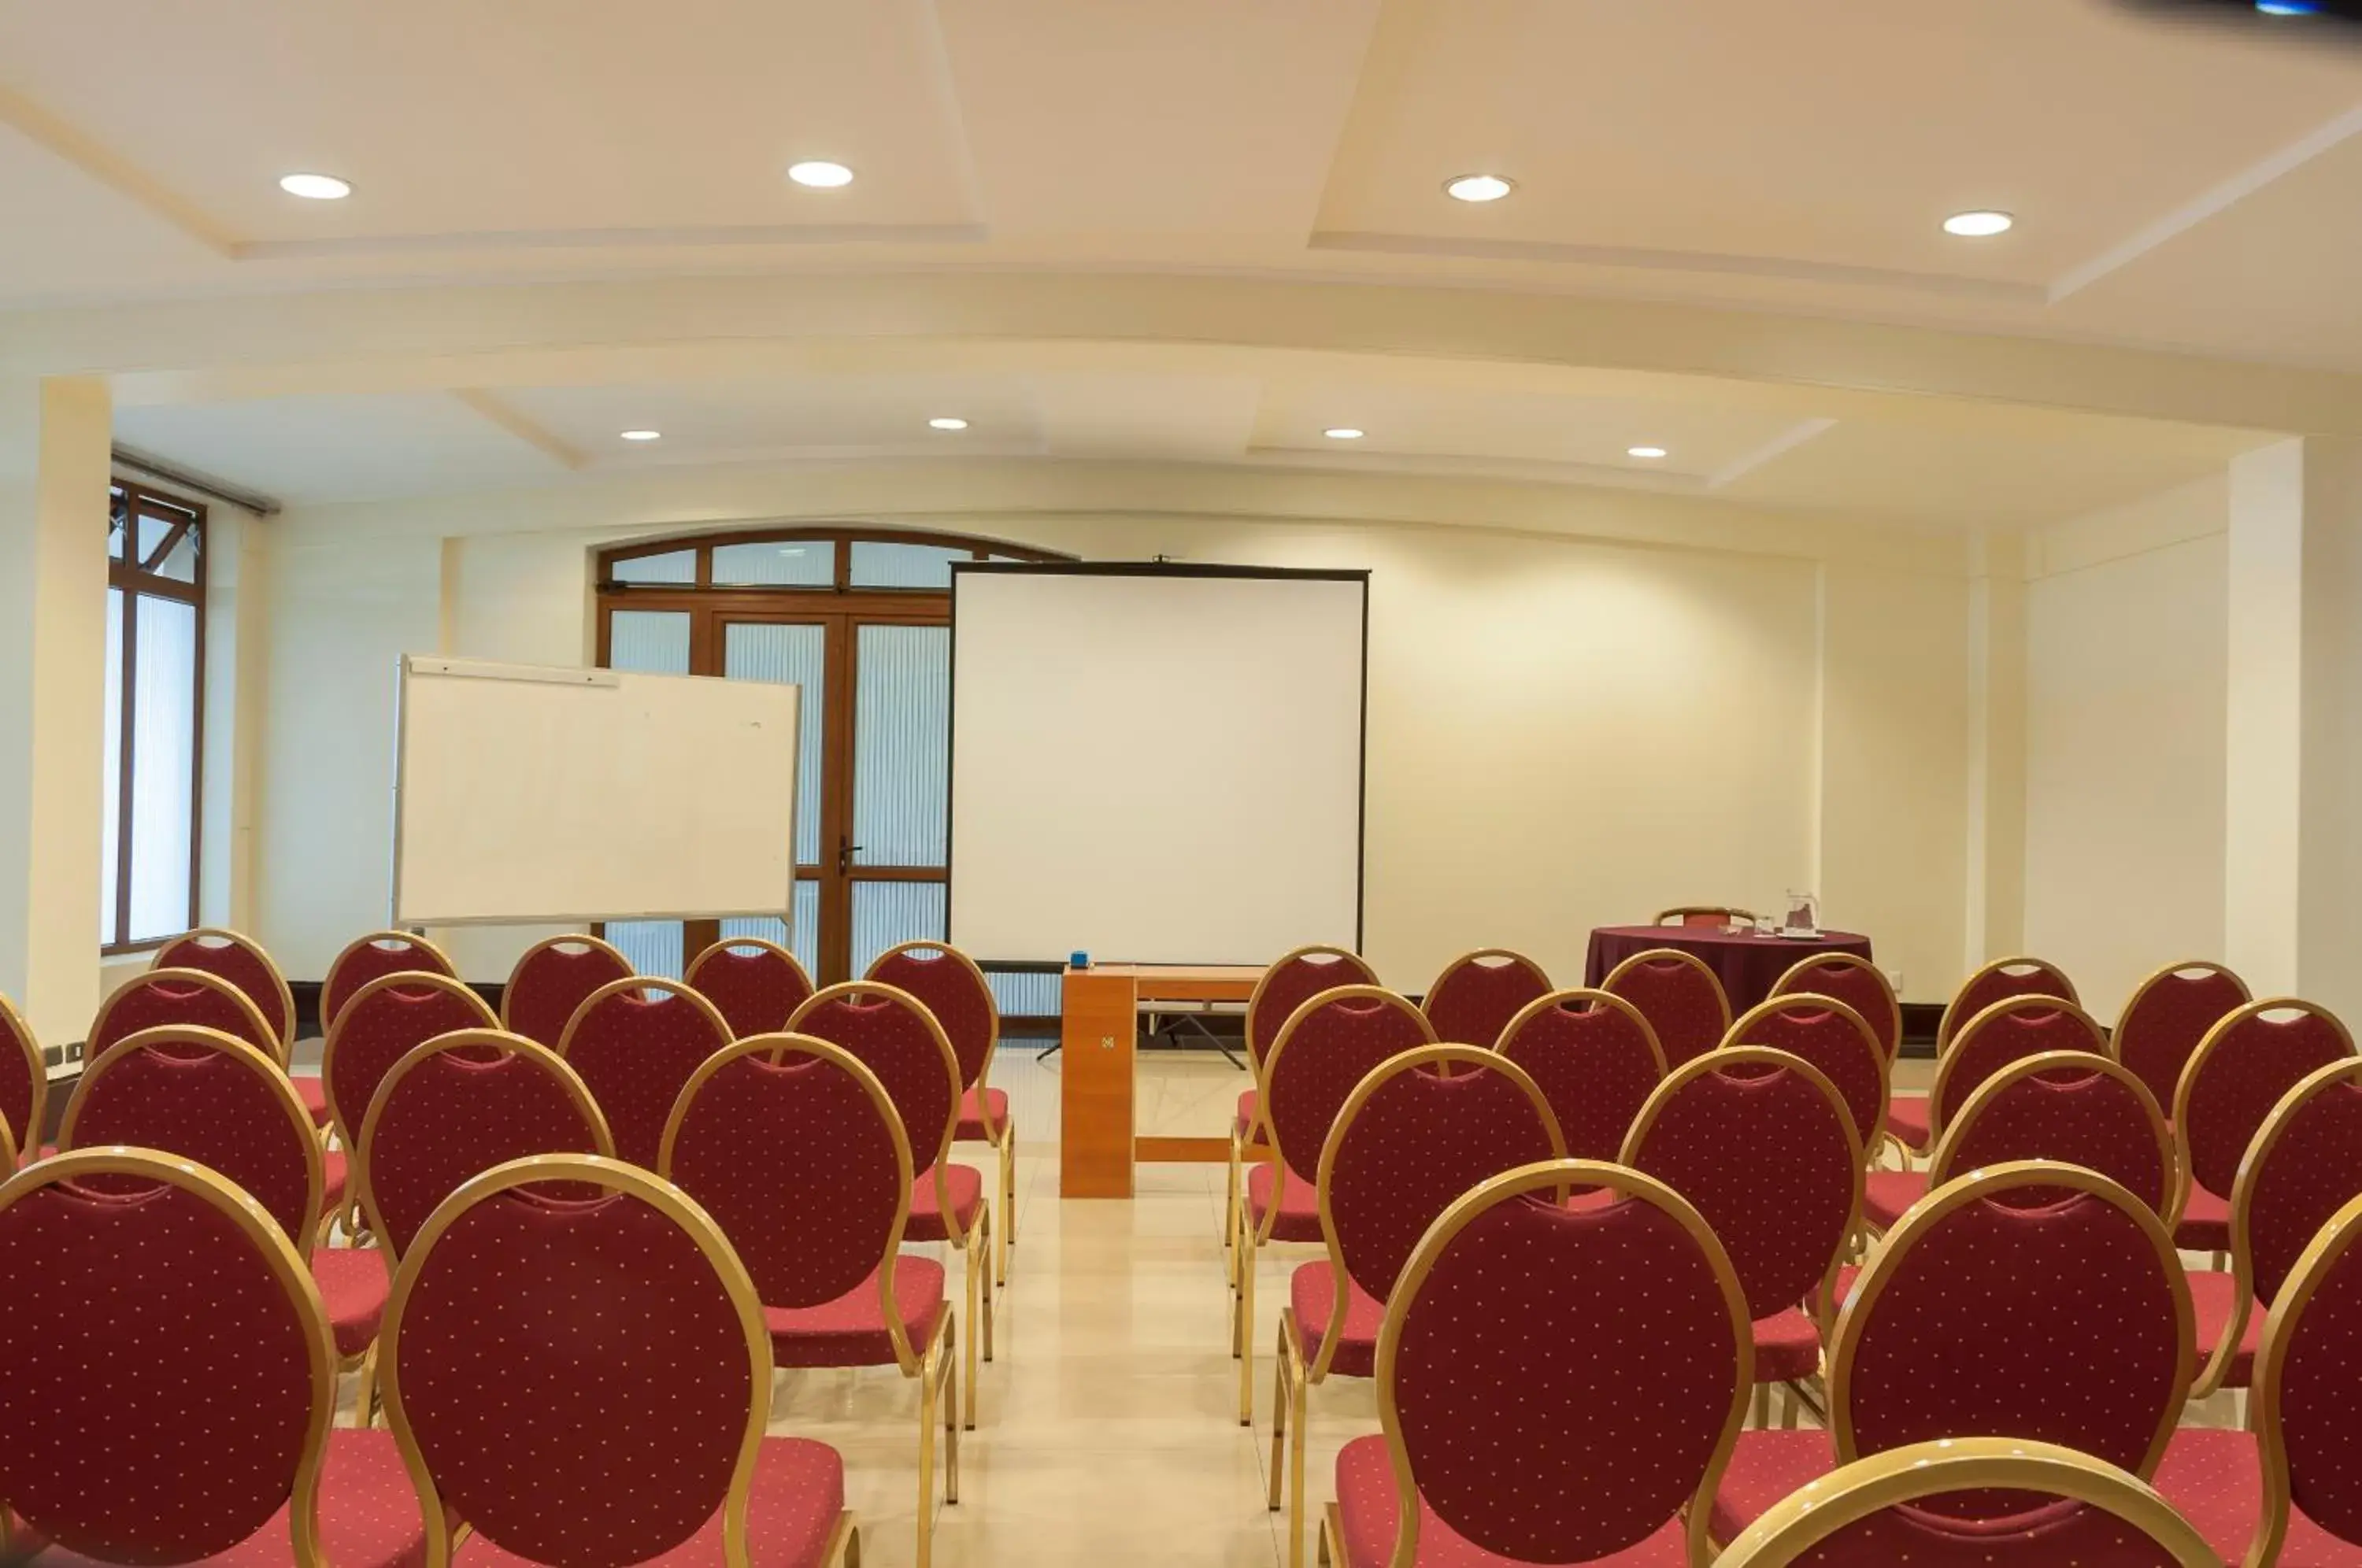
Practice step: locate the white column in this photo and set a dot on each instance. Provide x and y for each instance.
(54, 437)
(1995, 924)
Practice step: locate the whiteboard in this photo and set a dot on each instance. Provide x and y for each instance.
(525, 793)
(1155, 763)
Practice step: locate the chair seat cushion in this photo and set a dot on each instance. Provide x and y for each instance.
(2215, 1475)
(1787, 1347)
(1885, 1195)
(335, 1179)
(1298, 1219)
(2205, 1224)
(1242, 1122)
(851, 1329)
(2212, 1299)
(1765, 1467)
(314, 1096)
(980, 1120)
(353, 1283)
(1312, 1291)
(369, 1515)
(1906, 1118)
(792, 1507)
(1366, 1510)
(926, 1222)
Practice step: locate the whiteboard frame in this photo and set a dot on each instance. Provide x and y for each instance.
(488, 669)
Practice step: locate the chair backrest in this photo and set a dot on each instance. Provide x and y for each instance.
(1862, 1513)
(456, 1107)
(2307, 1385)
(241, 961)
(636, 1042)
(24, 1081)
(1597, 1062)
(1855, 982)
(1998, 981)
(166, 1377)
(1680, 998)
(758, 984)
(891, 1032)
(1477, 994)
(1704, 915)
(2073, 1108)
(550, 980)
(582, 1380)
(182, 996)
(2168, 1014)
(1559, 1384)
(2077, 1308)
(1762, 1145)
(2304, 1164)
(365, 959)
(1410, 1140)
(201, 1095)
(2009, 1030)
(1327, 1046)
(1835, 1038)
(384, 1021)
(2247, 1061)
(1293, 980)
(793, 1147)
(956, 991)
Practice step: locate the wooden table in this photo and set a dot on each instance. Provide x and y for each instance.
(1097, 1148)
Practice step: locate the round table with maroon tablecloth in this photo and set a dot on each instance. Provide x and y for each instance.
(1748, 966)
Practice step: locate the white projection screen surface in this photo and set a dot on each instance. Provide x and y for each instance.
(1155, 764)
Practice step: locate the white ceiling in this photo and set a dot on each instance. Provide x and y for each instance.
(2197, 189)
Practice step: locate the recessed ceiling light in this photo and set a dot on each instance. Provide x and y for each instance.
(946, 423)
(1343, 433)
(642, 434)
(1644, 451)
(1978, 224)
(1478, 187)
(820, 175)
(316, 187)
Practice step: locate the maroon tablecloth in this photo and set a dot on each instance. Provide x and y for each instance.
(1748, 966)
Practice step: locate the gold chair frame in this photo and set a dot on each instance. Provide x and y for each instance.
(1946, 1155)
(571, 939)
(973, 1245)
(688, 976)
(1780, 1002)
(1557, 1175)
(998, 1138)
(2213, 1042)
(1292, 1378)
(197, 979)
(2328, 1248)
(1243, 1143)
(223, 936)
(1729, 911)
(1251, 1236)
(1952, 1019)
(402, 938)
(1474, 957)
(28, 1139)
(844, 1547)
(1673, 956)
(1592, 1000)
(2157, 976)
(1796, 981)
(1818, 1509)
(1950, 1058)
(936, 1367)
(404, 979)
(630, 983)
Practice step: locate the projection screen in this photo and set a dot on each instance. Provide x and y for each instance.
(1155, 763)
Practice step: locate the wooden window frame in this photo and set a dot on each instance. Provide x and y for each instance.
(138, 579)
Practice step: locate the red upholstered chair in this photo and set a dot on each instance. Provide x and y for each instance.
(636, 1042)
(1327, 1046)
(1555, 1385)
(586, 1380)
(758, 984)
(456, 1107)
(2247, 1061)
(891, 1032)
(1836, 1039)
(198, 1094)
(2035, 1299)
(382, 1022)
(366, 958)
(2168, 1014)
(1998, 981)
(24, 1084)
(1478, 993)
(1764, 1147)
(182, 996)
(2009, 1030)
(241, 961)
(1855, 982)
(1680, 998)
(1863, 1516)
(1596, 1060)
(1714, 915)
(1418, 1131)
(229, 1455)
(550, 979)
(956, 992)
(1292, 980)
(795, 1149)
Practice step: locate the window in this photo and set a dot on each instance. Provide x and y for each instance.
(155, 716)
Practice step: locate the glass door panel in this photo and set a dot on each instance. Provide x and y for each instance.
(650, 642)
(885, 914)
(795, 655)
(901, 757)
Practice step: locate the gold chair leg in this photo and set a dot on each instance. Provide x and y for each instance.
(947, 1380)
(1005, 1233)
(365, 1390)
(1246, 1324)
(928, 1387)
(981, 1259)
(1278, 1412)
(973, 1310)
(1299, 1389)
